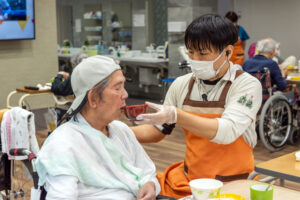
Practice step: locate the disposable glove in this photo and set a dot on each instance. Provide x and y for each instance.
(164, 114)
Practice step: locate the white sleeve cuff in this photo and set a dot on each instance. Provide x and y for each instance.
(224, 134)
(157, 185)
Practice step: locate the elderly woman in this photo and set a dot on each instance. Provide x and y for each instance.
(266, 51)
(94, 156)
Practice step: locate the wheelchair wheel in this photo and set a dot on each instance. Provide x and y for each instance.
(275, 123)
(294, 136)
(21, 181)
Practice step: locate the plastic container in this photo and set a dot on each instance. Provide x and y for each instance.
(259, 192)
(131, 112)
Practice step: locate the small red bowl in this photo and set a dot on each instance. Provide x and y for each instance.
(133, 111)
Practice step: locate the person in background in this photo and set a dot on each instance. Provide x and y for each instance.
(239, 46)
(62, 82)
(93, 155)
(216, 105)
(263, 59)
(282, 63)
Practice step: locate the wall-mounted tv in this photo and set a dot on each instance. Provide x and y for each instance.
(17, 19)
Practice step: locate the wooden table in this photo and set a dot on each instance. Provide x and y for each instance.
(283, 167)
(242, 187)
(288, 80)
(25, 93)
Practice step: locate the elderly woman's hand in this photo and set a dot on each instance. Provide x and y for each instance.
(164, 114)
(147, 192)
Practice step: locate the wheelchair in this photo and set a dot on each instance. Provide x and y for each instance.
(278, 116)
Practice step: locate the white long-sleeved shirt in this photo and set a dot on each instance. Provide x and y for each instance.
(237, 119)
(69, 187)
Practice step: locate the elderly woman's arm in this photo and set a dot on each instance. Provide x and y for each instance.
(61, 187)
(142, 161)
(147, 133)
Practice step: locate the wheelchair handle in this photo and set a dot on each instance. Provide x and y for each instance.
(31, 156)
(19, 152)
(22, 152)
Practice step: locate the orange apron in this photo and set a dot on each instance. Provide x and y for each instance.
(205, 159)
(238, 51)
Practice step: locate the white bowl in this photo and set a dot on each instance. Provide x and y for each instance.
(205, 188)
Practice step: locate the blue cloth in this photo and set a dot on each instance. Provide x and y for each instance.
(243, 35)
(258, 62)
(60, 87)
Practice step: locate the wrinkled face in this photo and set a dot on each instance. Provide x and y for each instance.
(113, 97)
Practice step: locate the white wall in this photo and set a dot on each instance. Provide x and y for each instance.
(278, 19)
(29, 62)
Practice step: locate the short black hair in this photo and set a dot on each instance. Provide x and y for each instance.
(232, 16)
(210, 31)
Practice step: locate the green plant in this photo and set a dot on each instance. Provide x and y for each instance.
(67, 43)
(86, 43)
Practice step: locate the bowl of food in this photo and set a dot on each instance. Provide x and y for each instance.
(131, 112)
(230, 196)
(205, 188)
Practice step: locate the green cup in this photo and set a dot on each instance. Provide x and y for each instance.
(258, 192)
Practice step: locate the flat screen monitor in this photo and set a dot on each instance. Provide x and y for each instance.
(17, 20)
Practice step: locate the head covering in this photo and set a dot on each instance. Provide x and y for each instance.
(87, 74)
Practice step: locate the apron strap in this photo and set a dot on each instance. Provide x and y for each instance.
(227, 86)
(223, 94)
(191, 84)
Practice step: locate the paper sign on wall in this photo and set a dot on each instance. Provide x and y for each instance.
(176, 26)
(77, 25)
(138, 20)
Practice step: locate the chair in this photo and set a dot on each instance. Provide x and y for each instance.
(275, 114)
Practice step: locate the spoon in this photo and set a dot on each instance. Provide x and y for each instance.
(270, 185)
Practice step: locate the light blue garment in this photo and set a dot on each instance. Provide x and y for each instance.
(79, 150)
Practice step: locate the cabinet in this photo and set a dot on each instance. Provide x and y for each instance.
(123, 36)
(92, 24)
(122, 23)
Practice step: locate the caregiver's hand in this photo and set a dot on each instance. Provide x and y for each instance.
(147, 192)
(164, 114)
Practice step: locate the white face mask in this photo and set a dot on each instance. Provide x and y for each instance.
(205, 69)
